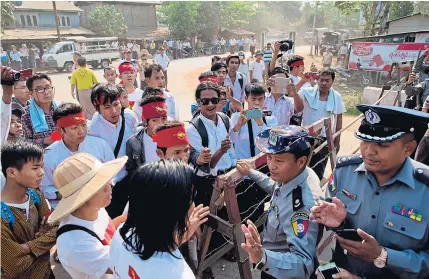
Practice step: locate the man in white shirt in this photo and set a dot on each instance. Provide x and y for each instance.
(71, 137)
(162, 59)
(134, 49)
(235, 80)
(128, 75)
(218, 127)
(243, 137)
(257, 68)
(296, 71)
(327, 58)
(322, 102)
(129, 44)
(233, 43)
(282, 101)
(154, 77)
(343, 52)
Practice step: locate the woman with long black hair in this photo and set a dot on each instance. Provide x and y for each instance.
(161, 216)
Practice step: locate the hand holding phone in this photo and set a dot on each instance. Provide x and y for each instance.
(328, 269)
(282, 82)
(312, 75)
(253, 113)
(349, 234)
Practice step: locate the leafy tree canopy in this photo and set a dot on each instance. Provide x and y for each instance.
(105, 20)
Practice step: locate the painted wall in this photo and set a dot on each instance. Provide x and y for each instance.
(47, 19)
(409, 24)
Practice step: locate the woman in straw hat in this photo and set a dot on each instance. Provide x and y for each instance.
(146, 246)
(85, 230)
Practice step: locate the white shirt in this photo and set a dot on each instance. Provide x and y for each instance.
(310, 115)
(162, 60)
(172, 109)
(233, 42)
(161, 265)
(283, 109)
(244, 69)
(257, 69)
(82, 255)
(134, 47)
(238, 91)
(134, 99)
(57, 152)
(241, 138)
(297, 79)
(187, 44)
(129, 45)
(102, 128)
(216, 134)
(150, 149)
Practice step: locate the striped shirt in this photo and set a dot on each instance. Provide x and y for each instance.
(268, 55)
(283, 109)
(29, 132)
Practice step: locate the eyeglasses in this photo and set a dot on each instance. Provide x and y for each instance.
(44, 90)
(206, 101)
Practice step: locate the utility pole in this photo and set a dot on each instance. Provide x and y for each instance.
(314, 29)
(57, 21)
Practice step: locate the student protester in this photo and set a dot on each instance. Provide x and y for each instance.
(84, 78)
(244, 67)
(234, 79)
(70, 138)
(386, 186)
(257, 68)
(296, 72)
(112, 123)
(287, 248)
(21, 93)
(128, 75)
(162, 59)
(154, 77)
(319, 102)
(110, 75)
(282, 101)
(15, 131)
(140, 250)
(37, 120)
(125, 103)
(217, 127)
(85, 230)
(144, 62)
(246, 129)
(25, 237)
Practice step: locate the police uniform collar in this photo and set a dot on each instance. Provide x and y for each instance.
(286, 188)
(405, 174)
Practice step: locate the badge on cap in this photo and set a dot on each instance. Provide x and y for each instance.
(372, 117)
(408, 212)
(274, 137)
(300, 222)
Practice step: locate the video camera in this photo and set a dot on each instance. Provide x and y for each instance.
(285, 45)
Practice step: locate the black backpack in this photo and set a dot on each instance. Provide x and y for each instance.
(199, 125)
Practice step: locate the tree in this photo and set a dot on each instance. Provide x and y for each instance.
(401, 9)
(181, 18)
(105, 20)
(6, 14)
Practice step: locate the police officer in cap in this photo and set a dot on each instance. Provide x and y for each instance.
(287, 248)
(384, 195)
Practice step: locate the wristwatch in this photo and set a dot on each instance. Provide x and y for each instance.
(380, 261)
(260, 265)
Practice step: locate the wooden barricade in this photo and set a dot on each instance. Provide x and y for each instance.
(224, 192)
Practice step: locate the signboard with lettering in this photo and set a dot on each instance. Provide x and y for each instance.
(380, 56)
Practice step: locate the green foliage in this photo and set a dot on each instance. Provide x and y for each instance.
(105, 20)
(188, 18)
(6, 14)
(401, 9)
(421, 7)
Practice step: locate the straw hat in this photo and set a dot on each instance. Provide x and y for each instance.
(80, 177)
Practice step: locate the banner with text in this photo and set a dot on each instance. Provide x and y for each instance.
(380, 56)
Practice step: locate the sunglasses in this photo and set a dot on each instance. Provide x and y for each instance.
(206, 101)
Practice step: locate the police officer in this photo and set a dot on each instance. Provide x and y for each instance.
(288, 247)
(383, 194)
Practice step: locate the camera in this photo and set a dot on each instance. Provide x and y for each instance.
(18, 75)
(285, 45)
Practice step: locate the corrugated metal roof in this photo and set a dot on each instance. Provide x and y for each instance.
(47, 6)
(42, 33)
(402, 17)
(385, 35)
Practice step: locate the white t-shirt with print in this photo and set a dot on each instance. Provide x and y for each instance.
(257, 70)
(134, 101)
(159, 266)
(82, 255)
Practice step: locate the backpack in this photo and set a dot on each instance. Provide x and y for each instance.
(7, 214)
(201, 129)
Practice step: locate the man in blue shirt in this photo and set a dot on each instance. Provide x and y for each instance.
(15, 57)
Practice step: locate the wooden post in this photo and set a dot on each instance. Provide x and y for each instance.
(57, 22)
(331, 142)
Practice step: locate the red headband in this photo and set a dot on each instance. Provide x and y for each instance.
(154, 110)
(297, 63)
(209, 78)
(67, 121)
(170, 137)
(126, 67)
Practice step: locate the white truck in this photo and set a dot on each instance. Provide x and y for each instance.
(97, 51)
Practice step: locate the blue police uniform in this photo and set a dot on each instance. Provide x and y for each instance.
(289, 238)
(396, 213)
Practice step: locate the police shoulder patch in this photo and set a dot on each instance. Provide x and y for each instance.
(422, 175)
(348, 160)
(300, 222)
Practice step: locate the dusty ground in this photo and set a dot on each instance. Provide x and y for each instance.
(182, 83)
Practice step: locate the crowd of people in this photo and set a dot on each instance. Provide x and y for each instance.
(123, 188)
(22, 58)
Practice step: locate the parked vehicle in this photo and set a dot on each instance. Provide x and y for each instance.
(356, 76)
(308, 36)
(187, 52)
(331, 40)
(97, 51)
(211, 50)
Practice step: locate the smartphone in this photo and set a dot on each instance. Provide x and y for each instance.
(26, 73)
(266, 113)
(253, 113)
(312, 75)
(350, 234)
(282, 82)
(328, 269)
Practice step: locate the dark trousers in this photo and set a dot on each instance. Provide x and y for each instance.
(318, 162)
(120, 197)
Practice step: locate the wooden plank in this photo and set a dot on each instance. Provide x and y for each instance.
(222, 226)
(315, 128)
(217, 255)
(205, 240)
(331, 145)
(242, 256)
